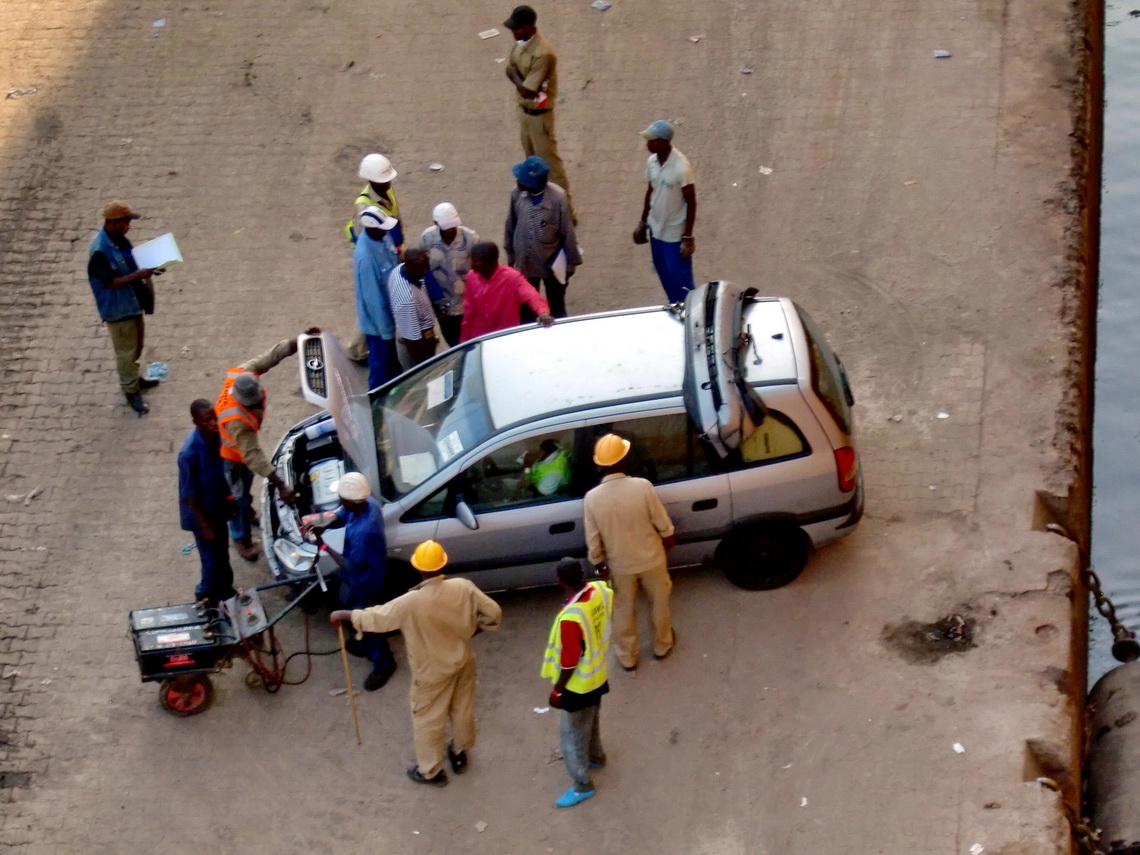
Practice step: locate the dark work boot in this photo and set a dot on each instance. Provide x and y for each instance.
(137, 403)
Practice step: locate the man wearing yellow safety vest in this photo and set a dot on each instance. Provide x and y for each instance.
(241, 409)
(438, 618)
(377, 170)
(576, 661)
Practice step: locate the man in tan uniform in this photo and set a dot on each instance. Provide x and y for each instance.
(628, 533)
(533, 69)
(437, 617)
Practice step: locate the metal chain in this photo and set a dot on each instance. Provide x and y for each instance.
(1087, 838)
(1124, 647)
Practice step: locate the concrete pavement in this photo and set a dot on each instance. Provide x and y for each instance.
(922, 210)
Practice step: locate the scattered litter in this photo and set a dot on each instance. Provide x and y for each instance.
(436, 167)
(932, 487)
(942, 54)
(541, 710)
(348, 65)
(942, 415)
(376, 75)
(338, 692)
(185, 351)
(959, 748)
(480, 826)
(489, 34)
(35, 491)
(803, 802)
(415, 832)
(909, 182)
(500, 59)
(695, 39)
(554, 756)
(161, 22)
(992, 805)
(977, 849)
(188, 548)
(6, 436)
(15, 497)
(734, 184)
(126, 140)
(765, 170)
(747, 69)
(46, 681)
(16, 93)
(601, 5)
(789, 766)
(895, 418)
(157, 371)
(40, 549)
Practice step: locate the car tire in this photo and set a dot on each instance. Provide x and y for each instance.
(763, 557)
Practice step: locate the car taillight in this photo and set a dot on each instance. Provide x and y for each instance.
(847, 467)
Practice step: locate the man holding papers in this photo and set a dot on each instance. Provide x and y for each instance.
(540, 240)
(122, 291)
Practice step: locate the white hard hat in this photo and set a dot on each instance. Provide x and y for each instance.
(373, 218)
(445, 216)
(353, 487)
(376, 167)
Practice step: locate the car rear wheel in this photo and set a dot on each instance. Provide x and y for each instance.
(763, 557)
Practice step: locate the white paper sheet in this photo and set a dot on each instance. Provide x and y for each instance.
(155, 253)
(558, 266)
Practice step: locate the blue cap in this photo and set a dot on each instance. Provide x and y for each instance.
(532, 172)
(659, 130)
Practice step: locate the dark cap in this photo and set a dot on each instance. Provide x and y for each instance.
(522, 16)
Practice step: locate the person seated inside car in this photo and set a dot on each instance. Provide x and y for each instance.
(548, 470)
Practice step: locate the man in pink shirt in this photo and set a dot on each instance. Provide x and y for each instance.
(494, 295)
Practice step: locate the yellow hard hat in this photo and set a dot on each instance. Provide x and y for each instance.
(610, 449)
(429, 557)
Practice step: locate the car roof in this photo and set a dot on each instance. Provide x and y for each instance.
(582, 362)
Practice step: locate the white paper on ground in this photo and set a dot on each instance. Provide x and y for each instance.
(155, 253)
(558, 266)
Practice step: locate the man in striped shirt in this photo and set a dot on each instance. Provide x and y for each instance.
(411, 308)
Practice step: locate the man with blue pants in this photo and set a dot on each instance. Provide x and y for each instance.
(205, 503)
(669, 212)
(362, 566)
(372, 261)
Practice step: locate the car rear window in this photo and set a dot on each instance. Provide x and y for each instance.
(825, 377)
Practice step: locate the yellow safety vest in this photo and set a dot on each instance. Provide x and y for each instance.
(593, 616)
(365, 198)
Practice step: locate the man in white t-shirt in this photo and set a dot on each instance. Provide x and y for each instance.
(670, 211)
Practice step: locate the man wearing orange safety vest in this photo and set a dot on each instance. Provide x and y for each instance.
(241, 409)
(575, 661)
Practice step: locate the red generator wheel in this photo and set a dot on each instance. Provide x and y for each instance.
(187, 695)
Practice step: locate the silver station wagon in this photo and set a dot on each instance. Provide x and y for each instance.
(487, 447)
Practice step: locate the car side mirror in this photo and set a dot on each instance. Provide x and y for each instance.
(465, 515)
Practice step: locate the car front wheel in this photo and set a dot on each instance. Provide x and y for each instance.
(763, 557)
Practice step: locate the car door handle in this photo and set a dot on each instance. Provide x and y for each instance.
(561, 528)
(704, 505)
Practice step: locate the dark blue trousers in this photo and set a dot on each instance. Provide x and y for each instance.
(217, 582)
(675, 272)
(383, 360)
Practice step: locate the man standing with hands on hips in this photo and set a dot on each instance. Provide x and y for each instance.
(122, 293)
(628, 533)
(669, 212)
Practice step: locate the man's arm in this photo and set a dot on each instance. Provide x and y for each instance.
(688, 244)
(569, 236)
(570, 634)
(509, 229)
(641, 233)
(246, 439)
(261, 364)
(596, 549)
(488, 613)
(187, 485)
(528, 294)
(385, 618)
(658, 514)
(99, 268)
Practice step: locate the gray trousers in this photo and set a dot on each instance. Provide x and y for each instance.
(581, 744)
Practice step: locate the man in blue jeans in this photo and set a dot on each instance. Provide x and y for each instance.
(362, 567)
(669, 212)
(205, 503)
(372, 261)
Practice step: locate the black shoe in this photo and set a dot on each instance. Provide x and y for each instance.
(137, 403)
(458, 760)
(378, 677)
(440, 779)
(147, 383)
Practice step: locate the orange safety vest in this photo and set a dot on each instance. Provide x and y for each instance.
(228, 410)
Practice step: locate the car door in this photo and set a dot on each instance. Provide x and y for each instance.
(526, 496)
(665, 450)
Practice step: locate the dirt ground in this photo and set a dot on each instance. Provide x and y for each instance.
(921, 209)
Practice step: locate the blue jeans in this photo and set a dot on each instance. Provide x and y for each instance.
(383, 361)
(217, 582)
(581, 744)
(675, 272)
(240, 480)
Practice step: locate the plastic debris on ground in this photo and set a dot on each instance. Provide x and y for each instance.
(480, 826)
(942, 54)
(489, 34)
(765, 170)
(803, 802)
(188, 548)
(909, 183)
(943, 415)
(25, 498)
(959, 748)
(185, 350)
(747, 69)
(977, 849)
(436, 167)
(500, 59)
(16, 93)
(541, 710)
(695, 39)
(159, 24)
(895, 418)
(601, 5)
(157, 371)
(338, 692)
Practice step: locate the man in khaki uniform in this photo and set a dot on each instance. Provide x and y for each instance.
(437, 617)
(628, 533)
(533, 69)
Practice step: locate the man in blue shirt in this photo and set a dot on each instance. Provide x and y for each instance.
(362, 567)
(372, 261)
(205, 503)
(117, 283)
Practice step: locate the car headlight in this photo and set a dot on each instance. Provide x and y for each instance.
(297, 558)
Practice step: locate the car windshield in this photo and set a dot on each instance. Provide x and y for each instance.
(429, 417)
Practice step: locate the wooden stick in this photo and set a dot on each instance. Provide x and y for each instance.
(348, 680)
